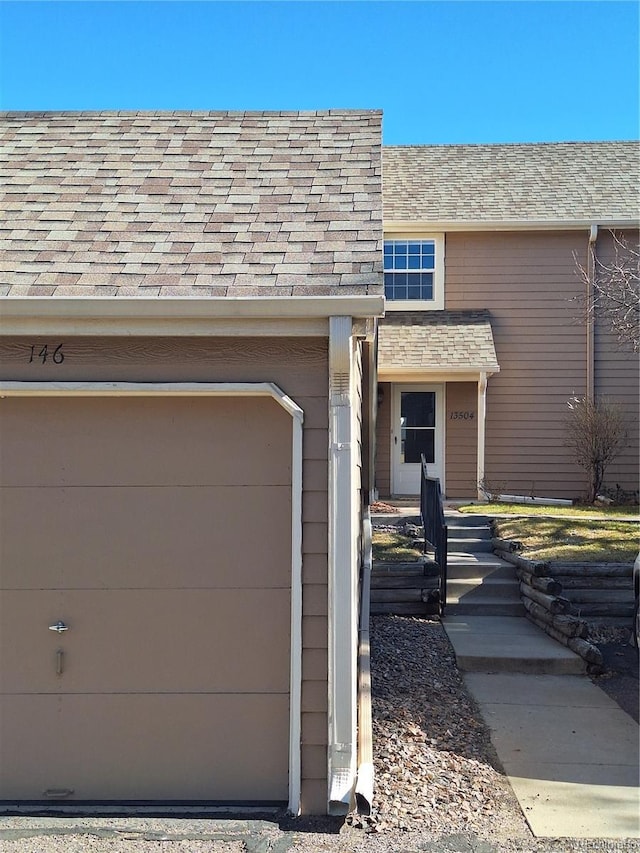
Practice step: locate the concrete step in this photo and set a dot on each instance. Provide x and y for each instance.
(462, 571)
(455, 519)
(480, 531)
(491, 643)
(470, 545)
(487, 607)
(469, 590)
(461, 559)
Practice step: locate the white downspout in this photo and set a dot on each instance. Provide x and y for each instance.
(482, 415)
(589, 307)
(343, 634)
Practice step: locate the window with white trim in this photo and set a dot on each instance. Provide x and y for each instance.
(414, 272)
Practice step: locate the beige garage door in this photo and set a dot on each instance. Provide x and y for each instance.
(158, 532)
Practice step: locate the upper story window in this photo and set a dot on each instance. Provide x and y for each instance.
(414, 272)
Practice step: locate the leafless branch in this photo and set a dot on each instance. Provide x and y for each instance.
(615, 290)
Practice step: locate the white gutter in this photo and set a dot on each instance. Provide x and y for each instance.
(342, 608)
(223, 389)
(39, 315)
(482, 416)
(413, 226)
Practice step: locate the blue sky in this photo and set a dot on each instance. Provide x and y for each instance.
(511, 71)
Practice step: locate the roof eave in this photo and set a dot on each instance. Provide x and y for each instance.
(409, 226)
(389, 372)
(178, 316)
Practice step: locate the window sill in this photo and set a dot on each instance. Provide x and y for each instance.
(414, 305)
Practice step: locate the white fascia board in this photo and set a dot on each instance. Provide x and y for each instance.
(168, 316)
(468, 373)
(417, 227)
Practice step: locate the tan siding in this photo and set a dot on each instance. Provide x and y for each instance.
(383, 445)
(461, 440)
(315, 762)
(314, 662)
(617, 378)
(314, 568)
(314, 696)
(314, 599)
(367, 426)
(528, 282)
(314, 632)
(314, 728)
(314, 796)
(300, 368)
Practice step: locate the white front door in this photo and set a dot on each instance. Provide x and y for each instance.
(417, 428)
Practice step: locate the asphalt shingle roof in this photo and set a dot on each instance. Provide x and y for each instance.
(436, 340)
(191, 203)
(574, 181)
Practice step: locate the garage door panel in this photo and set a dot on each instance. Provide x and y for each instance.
(151, 537)
(146, 641)
(148, 441)
(145, 747)
(159, 532)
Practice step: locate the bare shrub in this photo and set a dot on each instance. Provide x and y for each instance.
(596, 434)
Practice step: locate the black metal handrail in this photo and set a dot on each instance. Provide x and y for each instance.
(433, 522)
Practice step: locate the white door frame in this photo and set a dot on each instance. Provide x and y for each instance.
(439, 390)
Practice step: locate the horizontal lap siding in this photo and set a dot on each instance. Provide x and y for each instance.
(383, 440)
(529, 284)
(617, 378)
(461, 440)
(299, 366)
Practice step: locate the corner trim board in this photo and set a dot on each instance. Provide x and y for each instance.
(342, 627)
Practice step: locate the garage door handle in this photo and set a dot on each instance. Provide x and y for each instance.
(59, 627)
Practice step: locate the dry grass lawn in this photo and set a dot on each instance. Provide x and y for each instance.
(572, 540)
(394, 547)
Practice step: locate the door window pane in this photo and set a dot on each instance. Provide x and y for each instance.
(418, 409)
(415, 442)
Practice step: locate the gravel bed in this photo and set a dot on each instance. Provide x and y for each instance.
(439, 786)
(435, 766)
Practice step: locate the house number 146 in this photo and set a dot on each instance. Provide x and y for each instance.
(46, 353)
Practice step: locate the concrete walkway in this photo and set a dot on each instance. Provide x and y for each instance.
(570, 753)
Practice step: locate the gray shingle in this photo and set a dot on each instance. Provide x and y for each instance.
(169, 202)
(437, 340)
(575, 181)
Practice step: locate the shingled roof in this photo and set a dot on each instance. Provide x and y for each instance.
(436, 340)
(567, 181)
(191, 204)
